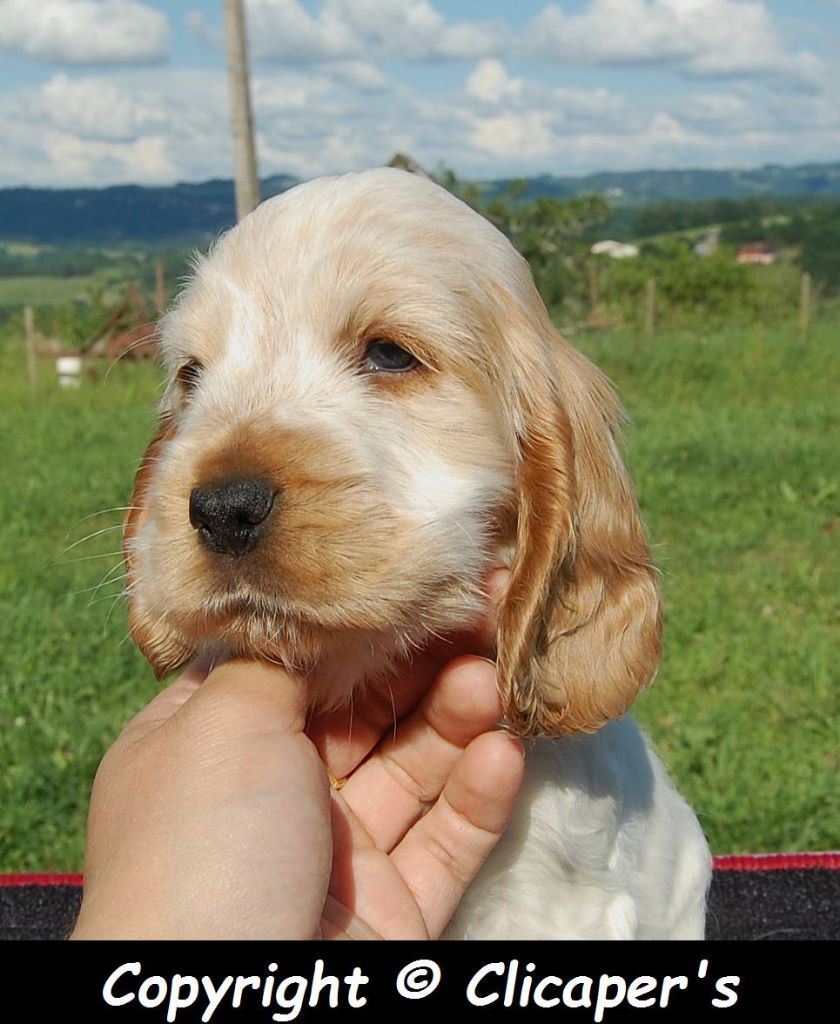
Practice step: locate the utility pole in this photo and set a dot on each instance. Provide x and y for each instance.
(244, 154)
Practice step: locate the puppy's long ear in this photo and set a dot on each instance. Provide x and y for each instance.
(579, 627)
(164, 651)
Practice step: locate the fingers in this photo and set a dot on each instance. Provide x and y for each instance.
(443, 853)
(366, 884)
(344, 738)
(337, 922)
(406, 774)
(414, 891)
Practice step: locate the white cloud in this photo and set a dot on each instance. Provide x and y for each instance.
(359, 74)
(704, 38)
(489, 82)
(530, 135)
(698, 38)
(500, 97)
(707, 39)
(154, 127)
(89, 108)
(719, 112)
(135, 126)
(285, 30)
(514, 124)
(93, 162)
(84, 31)
(159, 126)
(358, 30)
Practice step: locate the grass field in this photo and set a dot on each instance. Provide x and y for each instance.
(43, 291)
(734, 449)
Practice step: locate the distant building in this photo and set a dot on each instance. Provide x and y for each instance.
(761, 253)
(708, 245)
(615, 250)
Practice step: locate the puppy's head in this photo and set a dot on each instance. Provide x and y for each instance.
(368, 408)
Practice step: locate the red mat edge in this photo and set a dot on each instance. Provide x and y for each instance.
(829, 859)
(40, 879)
(726, 862)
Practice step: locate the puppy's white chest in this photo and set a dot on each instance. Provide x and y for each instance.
(600, 846)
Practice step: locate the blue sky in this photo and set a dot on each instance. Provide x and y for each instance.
(95, 92)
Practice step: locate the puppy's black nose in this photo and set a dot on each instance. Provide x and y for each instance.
(230, 517)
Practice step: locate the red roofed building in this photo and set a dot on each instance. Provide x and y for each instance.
(757, 252)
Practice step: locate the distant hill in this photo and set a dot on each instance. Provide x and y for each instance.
(635, 187)
(189, 213)
(124, 213)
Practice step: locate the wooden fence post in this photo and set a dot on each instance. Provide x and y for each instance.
(160, 286)
(650, 306)
(29, 341)
(594, 298)
(805, 307)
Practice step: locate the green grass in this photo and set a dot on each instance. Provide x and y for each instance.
(735, 455)
(43, 291)
(15, 248)
(66, 678)
(734, 450)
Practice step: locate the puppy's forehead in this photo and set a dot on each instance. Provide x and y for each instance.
(382, 245)
(382, 211)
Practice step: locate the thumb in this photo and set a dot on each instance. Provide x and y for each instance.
(165, 704)
(250, 691)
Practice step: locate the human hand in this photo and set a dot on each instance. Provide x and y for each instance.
(210, 815)
(398, 871)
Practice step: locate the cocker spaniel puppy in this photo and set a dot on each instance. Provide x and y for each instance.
(369, 408)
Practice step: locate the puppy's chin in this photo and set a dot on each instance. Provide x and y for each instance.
(337, 656)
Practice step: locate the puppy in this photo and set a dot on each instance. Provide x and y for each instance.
(368, 408)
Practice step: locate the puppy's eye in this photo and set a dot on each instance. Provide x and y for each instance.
(189, 374)
(388, 357)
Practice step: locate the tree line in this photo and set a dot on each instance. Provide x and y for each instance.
(555, 235)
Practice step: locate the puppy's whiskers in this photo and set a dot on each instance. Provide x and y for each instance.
(84, 558)
(393, 710)
(130, 348)
(104, 580)
(106, 511)
(350, 717)
(92, 536)
(108, 579)
(114, 604)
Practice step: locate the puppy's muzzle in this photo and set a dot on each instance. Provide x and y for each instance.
(230, 517)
